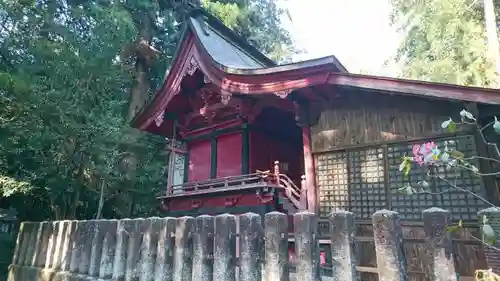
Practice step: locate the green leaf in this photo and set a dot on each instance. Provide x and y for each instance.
(446, 123)
(488, 234)
(456, 154)
(455, 228)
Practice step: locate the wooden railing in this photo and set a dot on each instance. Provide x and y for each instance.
(258, 180)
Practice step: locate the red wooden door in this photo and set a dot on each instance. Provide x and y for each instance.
(229, 155)
(199, 161)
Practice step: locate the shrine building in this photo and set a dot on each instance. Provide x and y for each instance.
(248, 135)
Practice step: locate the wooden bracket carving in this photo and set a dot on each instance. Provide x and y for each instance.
(231, 201)
(196, 203)
(283, 94)
(192, 66)
(225, 97)
(159, 119)
(265, 194)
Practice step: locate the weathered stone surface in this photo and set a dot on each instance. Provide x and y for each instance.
(122, 237)
(164, 265)
(342, 234)
(149, 248)
(251, 247)
(203, 248)
(225, 248)
(183, 251)
(276, 247)
(493, 219)
(388, 238)
(109, 244)
(136, 233)
(306, 247)
(439, 245)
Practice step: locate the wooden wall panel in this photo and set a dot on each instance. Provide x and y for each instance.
(229, 155)
(360, 118)
(199, 160)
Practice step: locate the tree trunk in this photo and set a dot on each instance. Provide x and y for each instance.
(492, 35)
(101, 200)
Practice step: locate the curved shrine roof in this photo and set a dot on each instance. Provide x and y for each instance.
(230, 62)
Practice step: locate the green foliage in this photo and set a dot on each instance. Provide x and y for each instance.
(64, 89)
(444, 42)
(258, 21)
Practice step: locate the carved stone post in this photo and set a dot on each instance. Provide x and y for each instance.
(203, 248)
(183, 253)
(251, 243)
(108, 249)
(439, 245)
(225, 248)
(391, 261)
(306, 247)
(149, 248)
(164, 264)
(342, 234)
(276, 247)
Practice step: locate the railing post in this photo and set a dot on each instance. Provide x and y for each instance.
(388, 238)
(439, 245)
(342, 234)
(277, 171)
(303, 193)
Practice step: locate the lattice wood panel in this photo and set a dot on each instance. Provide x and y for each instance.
(332, 181)
(461, 204)
(366, 181)
(355, 180)
(409, 207)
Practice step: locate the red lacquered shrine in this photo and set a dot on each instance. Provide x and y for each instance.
(243, 131)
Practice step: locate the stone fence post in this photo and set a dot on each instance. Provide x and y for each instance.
(388, 238)
(439, 246)
(492, 255)
(342, 234)
(305, 225)
(276, 247)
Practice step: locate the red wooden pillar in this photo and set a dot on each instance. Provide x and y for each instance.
(302, 115)
(312, 205)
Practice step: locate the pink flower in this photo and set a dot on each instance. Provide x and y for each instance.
(416, 154)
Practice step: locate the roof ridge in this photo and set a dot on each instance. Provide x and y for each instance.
(232, 35)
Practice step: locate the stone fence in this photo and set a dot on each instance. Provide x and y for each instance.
(217, 248)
